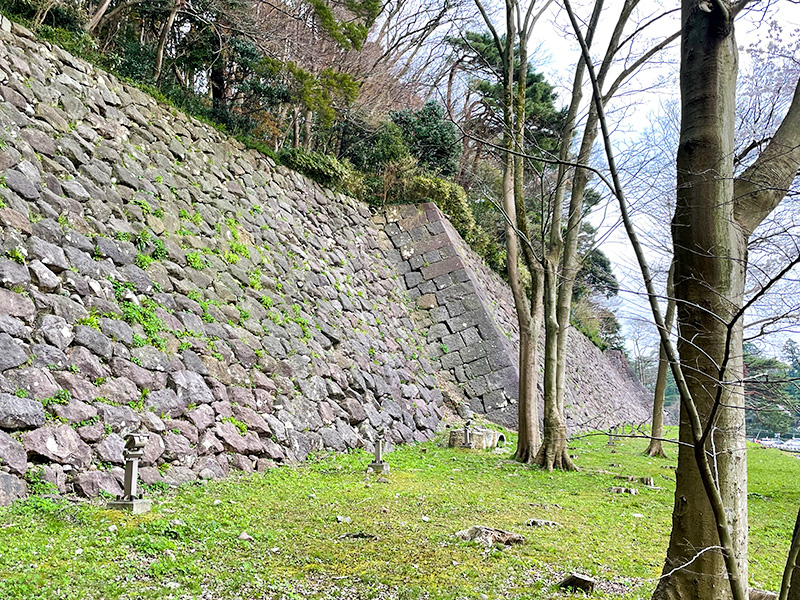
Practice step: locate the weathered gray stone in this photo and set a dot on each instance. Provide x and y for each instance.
(20, 413)
(13, 273)
(16, 305)
(121, 419)
(14, 327)
(49, 254)
(207, 467)
(93, 340)
(179, 475)
(11, 489)
(251, 419)
(209, 443)
(91, 483)
(56, 331)
(150, 358)
(110, 449)
(91, 433)
(43, 277)
(129, 370)
(166, 402)
(176, 447)
(59, 444)
(75, 411)
(77, 386)
(241, 444)
(18, 183)
(202, 417)
(152, 422)
(151, 475)
(12, 454)
(153, 450)
(190, 388)
(354, 410)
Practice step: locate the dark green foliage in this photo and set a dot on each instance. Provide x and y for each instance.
(136, 61)
(368, 147)
(432, 138)
(595, 276)
(322, 168)
(543, 120)
(348, 34)
(66, 15)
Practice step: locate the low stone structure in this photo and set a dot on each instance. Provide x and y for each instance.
(480, 438)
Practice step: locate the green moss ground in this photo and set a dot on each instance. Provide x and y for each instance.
(189, 546)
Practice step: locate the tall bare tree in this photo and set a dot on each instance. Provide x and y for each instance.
(561, 263)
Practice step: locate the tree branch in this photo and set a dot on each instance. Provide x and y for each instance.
(761, 187)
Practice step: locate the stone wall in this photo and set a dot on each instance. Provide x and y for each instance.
(468, 325)
(472, 333)
(156, 275)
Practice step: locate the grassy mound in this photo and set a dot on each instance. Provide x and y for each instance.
(312, 526)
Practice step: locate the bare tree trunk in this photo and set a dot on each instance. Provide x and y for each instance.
(42, 12)
(295, 127)
(529, 401)
(307, 123)
(710, 254)
(529, 438)
(553, 452)
(98, 14)
(655, 447)
(516, 225)
(790, 586)
(162, 38)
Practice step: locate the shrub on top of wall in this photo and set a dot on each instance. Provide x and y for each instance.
(322, 168)
(452, 201)
(449, 197)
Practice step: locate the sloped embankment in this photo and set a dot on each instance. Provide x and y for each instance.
(157, 275)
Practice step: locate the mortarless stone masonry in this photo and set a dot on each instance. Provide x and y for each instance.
(156, 275)
(472, 329)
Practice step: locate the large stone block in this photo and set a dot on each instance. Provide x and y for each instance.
(59, 444)
(20, 413)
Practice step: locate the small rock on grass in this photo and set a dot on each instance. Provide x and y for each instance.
(341, 519)
(578, 582)
(624, 490)
(542, 523)
(488, 536)
(245, 536)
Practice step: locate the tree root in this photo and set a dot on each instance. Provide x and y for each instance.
(655, 449)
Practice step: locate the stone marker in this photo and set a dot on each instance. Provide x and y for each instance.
(130, 501)
(542, 523)
(480, 438)
(488, 536)
(379, 465)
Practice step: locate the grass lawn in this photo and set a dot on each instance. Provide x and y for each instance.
(189, 546)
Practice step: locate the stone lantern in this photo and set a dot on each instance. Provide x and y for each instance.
(130, 500)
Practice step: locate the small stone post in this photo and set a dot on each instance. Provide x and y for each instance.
(379, 465)
(130, 501)
(467, 441)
